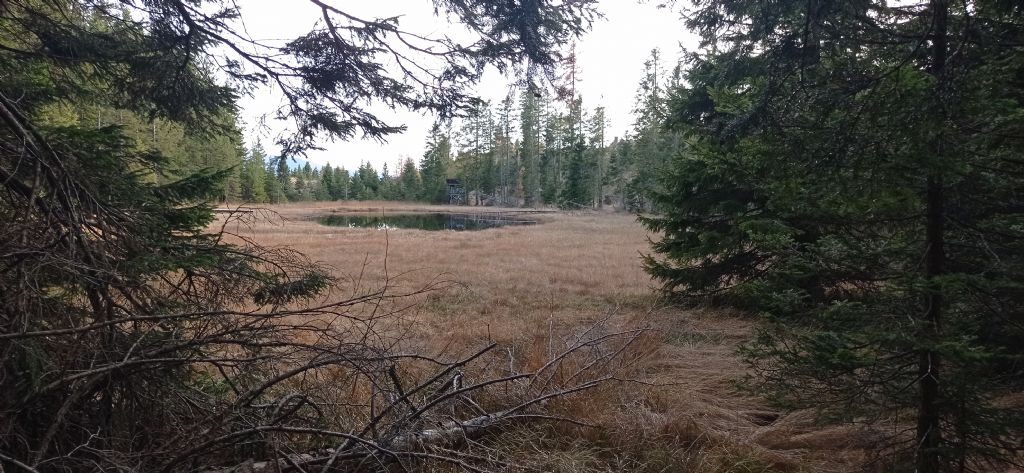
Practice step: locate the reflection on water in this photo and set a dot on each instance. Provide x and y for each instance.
(424, 221)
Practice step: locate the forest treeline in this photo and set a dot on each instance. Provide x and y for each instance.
(850, 173)
(534, 148)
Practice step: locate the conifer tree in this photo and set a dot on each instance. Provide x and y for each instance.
(506, 166)
(388, 189)
(598, 152)
(324, 190)
(579, 173)
(550, 164)
(434, 167)
(342, 181)
(530, 130)
(411, 189)
(475, 160)
(272, 185)
(357, 190)
(852, 174)
(253, 175)
(366, 182)
(649, 148)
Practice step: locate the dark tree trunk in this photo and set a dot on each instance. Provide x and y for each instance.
(929, 415)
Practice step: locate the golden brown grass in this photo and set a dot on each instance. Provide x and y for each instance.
(520, 285)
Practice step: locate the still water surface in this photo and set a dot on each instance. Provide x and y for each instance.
(425, 221)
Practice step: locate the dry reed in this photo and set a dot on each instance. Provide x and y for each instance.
(529, 287)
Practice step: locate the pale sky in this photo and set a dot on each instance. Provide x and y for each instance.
(610, 60)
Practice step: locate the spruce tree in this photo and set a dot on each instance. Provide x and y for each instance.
(366, 182)
(550, 163)
(357, 190)
(434, 167)
(275, 192)
(852, 174)
(579, 172)
(505, 155)
(598, 155)
(475, 160)
(387, 189)
(410, 181)
(342, 181)
(530, 129)
(253, 175)
(650, 145)
(324, 190)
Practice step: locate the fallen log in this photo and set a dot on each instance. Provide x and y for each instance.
(411, 445)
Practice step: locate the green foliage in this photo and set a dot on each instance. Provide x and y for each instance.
(434, 166)
(274, 189)
(530, 129)
(253, 176)
(409, 179)
(577, 191)
(474, 163)
(342, 183)
(857, 184)
(366, 182)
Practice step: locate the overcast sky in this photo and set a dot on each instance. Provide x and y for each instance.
(610, 60)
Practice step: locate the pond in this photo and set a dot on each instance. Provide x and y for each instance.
(425, 221)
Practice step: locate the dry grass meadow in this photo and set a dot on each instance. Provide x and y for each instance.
(523, 285)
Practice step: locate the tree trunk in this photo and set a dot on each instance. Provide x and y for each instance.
(929, 415)
(929, 432)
